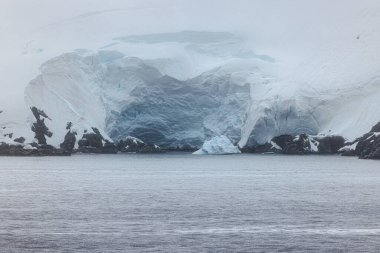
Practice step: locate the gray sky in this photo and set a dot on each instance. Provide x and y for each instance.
(262, 20)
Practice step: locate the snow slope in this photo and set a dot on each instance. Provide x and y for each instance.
(308, 66)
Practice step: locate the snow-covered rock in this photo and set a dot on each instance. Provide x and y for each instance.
(219, 145)
(366, 146)
(299, 144)
(131, 144)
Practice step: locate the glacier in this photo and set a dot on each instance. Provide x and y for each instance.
(239, 96)
(125, 96)
(177, 86)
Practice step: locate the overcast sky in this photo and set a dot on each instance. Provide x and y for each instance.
(140, 16)
(262, 20)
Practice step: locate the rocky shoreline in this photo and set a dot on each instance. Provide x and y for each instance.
(365, 147)
(92, 141)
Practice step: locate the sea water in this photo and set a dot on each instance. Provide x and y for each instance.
(188, 203)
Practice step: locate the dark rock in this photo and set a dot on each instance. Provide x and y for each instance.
(39, 127)
(375, 154)
(265, 148)
(90, 150)
(109, 148)
(182, 148)
(298, 145)
(368, 146)
(362, 143)
(34, 144)
(69, 141)
(130, 144)
(286, 144)
(10, 135)
(283, 140)
(46, 147)
(330, 144)
(376, 128)
(150, 149)
(38, 113)
(19, 140)
(93, 140)
(349, 152)
(135, 145)
(20, 150)
(93, 143)
(69, 125)
(290, 145)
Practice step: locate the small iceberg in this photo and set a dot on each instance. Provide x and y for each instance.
(219, 145)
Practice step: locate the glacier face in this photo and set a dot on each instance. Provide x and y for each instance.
(275, 117)
(124, 96)
(82, 89)
(173, 113)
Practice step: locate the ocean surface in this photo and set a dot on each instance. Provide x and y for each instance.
(187, 203)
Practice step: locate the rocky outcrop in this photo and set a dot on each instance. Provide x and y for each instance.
(293, 145)
(375, 128)
(369, 146)
(39, 127)
(109, 148)
(92, 139)
(94, 142)
(38, 148)
(299, 145)
(265, 148)
(30, 150)
(19, 140)
(70, 139)
(366, 146)
(135, 145)
(330, 144)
